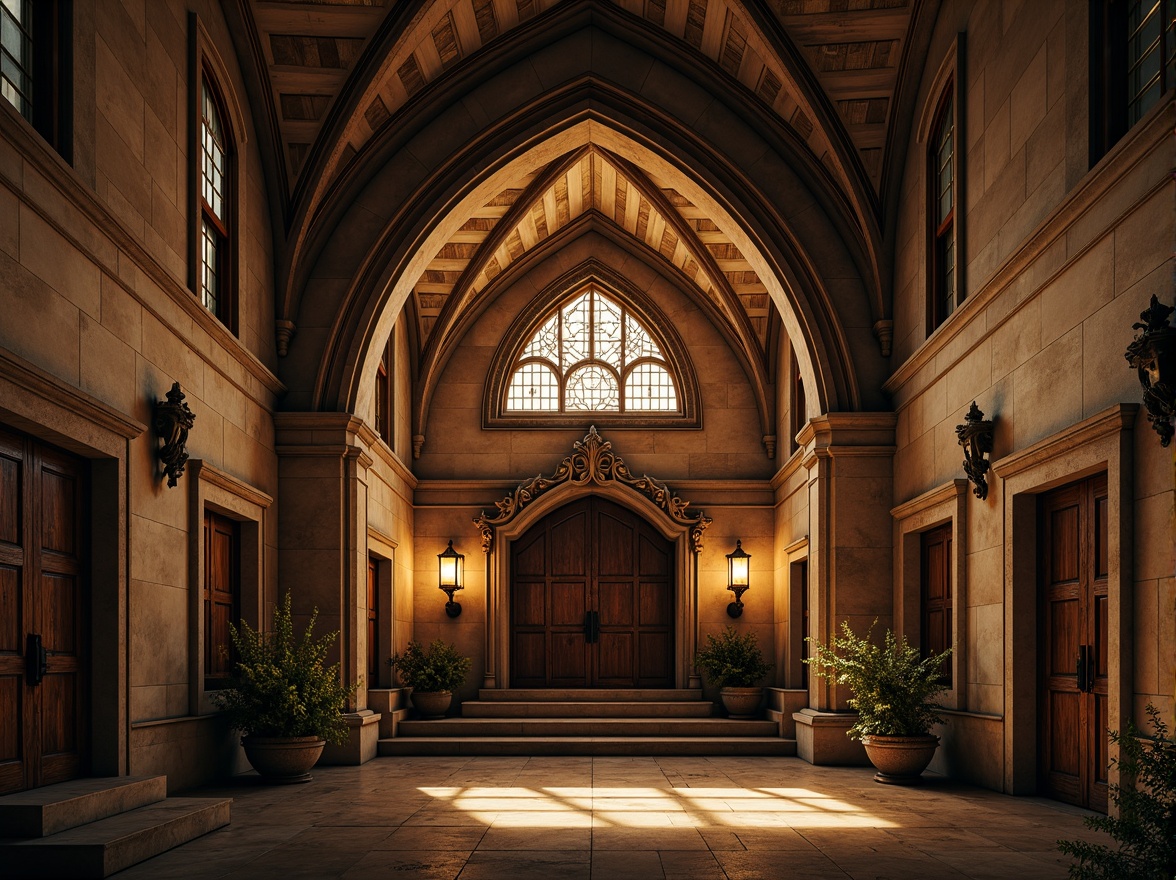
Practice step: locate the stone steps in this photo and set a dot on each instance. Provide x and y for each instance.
(589, 727)
(596, 709)
(589, 695)
(91, 828)
(589, 745)
(570, 721)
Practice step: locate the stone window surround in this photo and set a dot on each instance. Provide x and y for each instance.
(205, 62)
(943, 504)
(951, 75)
(212, 489)
(1102, 442)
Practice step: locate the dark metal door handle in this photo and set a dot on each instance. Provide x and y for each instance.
(36, 659)
(591, 627)
(1082, 671)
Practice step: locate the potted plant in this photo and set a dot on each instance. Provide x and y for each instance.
(735, 663)
(892, 688)
(433, 673)
(283, 697)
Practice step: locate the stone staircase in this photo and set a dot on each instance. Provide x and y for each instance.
(587, 722)
(89, 828)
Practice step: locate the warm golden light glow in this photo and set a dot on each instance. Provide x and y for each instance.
(651, 807)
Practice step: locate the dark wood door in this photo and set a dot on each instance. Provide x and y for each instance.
(43, 614)
(222, 591)
(1073, 624)
(592, 601)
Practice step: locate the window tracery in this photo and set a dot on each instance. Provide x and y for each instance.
(591, 355)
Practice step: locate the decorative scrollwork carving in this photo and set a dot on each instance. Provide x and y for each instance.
(1152, 354)
(173, 420)
(593, 461)
(976, 437)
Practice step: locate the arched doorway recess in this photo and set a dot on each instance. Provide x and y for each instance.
(593, 470)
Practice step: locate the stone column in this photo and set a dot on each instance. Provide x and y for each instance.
(849, 458)
(323, 461)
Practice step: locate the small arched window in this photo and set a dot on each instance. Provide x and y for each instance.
(591, 349)
(591, 355)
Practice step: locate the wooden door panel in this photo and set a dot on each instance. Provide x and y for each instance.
(12, 770)
(529, 557)
(615, 603)
(656, 604)
(529, 606)
(655, 654)
(615, 659)
(569, 549)
(10, 494)
(614, 546)
(11, 613)
(1073, 629)
(529, 658)
(569, 659)
(653, 559)
(567, 603)
(59, 525)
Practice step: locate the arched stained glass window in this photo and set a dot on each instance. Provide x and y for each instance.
(591, 355)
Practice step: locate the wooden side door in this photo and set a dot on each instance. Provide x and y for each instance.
(592, 601)
(221, 596)
(43, 612)
(1073, 567)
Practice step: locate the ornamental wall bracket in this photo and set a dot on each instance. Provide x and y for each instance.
(976, 439)
(173, 420)
(1152, 354)
(593, 461)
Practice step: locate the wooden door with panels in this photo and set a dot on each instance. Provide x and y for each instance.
(44, 614)
(1072, 621)
(592, 601)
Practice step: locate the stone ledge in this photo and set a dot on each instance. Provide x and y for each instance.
(821, 738)
(363, 733)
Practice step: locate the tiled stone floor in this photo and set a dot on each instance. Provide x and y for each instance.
(621, 818)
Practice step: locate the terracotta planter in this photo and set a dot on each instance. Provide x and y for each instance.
(432, 704)
(283, 759)
(742, 702)
(900, 759)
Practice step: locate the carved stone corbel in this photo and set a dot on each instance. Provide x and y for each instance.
(284, 331)
(976, 438)
(1153, 354)
(173, 420)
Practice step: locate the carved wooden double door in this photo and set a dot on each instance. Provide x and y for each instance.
(592, 601)
(43, 612)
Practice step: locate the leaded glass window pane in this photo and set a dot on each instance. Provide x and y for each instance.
(607, 330)
(210, 245)
(649, 388)
(577, 331)
(545, 343)
(592, 388)
(16, 47)
(533, 388)
(638, 343)
(212, 152)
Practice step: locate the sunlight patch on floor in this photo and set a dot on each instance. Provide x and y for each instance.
(651, 807)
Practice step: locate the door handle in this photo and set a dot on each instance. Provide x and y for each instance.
(36, 659)
(1083, 684)
(591, 627)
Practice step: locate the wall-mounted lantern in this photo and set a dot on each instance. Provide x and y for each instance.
(738, 577)
(976, 438)
(173, 420)
(450, 570)
(1153, 354)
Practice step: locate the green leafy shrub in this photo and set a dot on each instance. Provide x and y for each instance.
(1146, 800)
(892, 685)
(280, 685)
(732, 660)
(437, 668)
